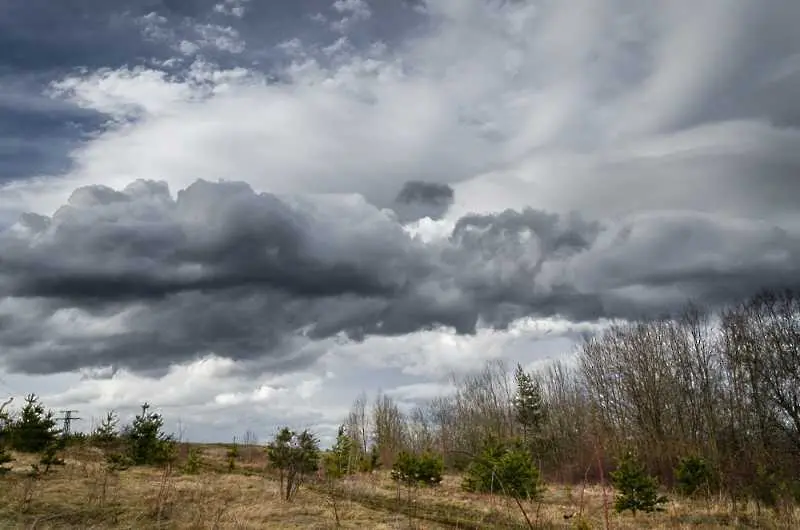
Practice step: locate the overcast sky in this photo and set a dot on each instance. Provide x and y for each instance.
(246, 212)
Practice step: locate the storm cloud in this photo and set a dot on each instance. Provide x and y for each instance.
(417, 200)
(141, 279)
(392, 167)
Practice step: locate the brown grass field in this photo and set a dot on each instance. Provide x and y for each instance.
(83, 494)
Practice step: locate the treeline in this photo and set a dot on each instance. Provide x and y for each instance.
(716, 395)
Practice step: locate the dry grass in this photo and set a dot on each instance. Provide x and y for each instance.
(83, 494)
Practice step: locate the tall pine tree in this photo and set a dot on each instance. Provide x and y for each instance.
(529, 404)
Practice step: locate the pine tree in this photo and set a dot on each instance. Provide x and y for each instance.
(528, 403)
(692, 475)
(147, 443)
(294, 456)
(505, 469)
(106, 432)
(338, 461)
(34, 429)
(637, 491)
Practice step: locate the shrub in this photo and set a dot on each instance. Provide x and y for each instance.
(50, 456)
(692, 474)
(232, 455)
(637, 491)
(413, 469)
(508, 470)
(194, 461)
(116, 461)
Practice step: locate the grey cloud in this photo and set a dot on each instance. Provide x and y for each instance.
(418, 199)
(152, 247)
(136, 278)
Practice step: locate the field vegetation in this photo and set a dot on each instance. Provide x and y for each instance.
(691, 421)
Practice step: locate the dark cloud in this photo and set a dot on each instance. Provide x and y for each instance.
(419, 199)
(135, 278)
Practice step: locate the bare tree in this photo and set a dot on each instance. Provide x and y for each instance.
(389, 426)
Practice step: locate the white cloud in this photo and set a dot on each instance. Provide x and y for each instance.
(438, 353)
(539, 105)
(224, 38)
(417, 392)
(356, 7)
(235, 8)
(354, 11)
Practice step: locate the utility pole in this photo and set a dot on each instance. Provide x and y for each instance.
(68, 418)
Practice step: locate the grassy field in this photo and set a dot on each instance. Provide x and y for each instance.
(84, 494)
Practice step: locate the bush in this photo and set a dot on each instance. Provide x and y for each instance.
(507, 470)
(692, 474)
(637, 491)
(412, 469)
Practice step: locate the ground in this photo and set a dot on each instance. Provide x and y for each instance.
(83, 494)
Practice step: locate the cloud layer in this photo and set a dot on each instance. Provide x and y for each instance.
(387, 177)
(138, 279)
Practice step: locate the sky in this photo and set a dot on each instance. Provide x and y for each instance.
(248, 212)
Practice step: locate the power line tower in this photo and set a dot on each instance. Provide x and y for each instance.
(68, 418)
